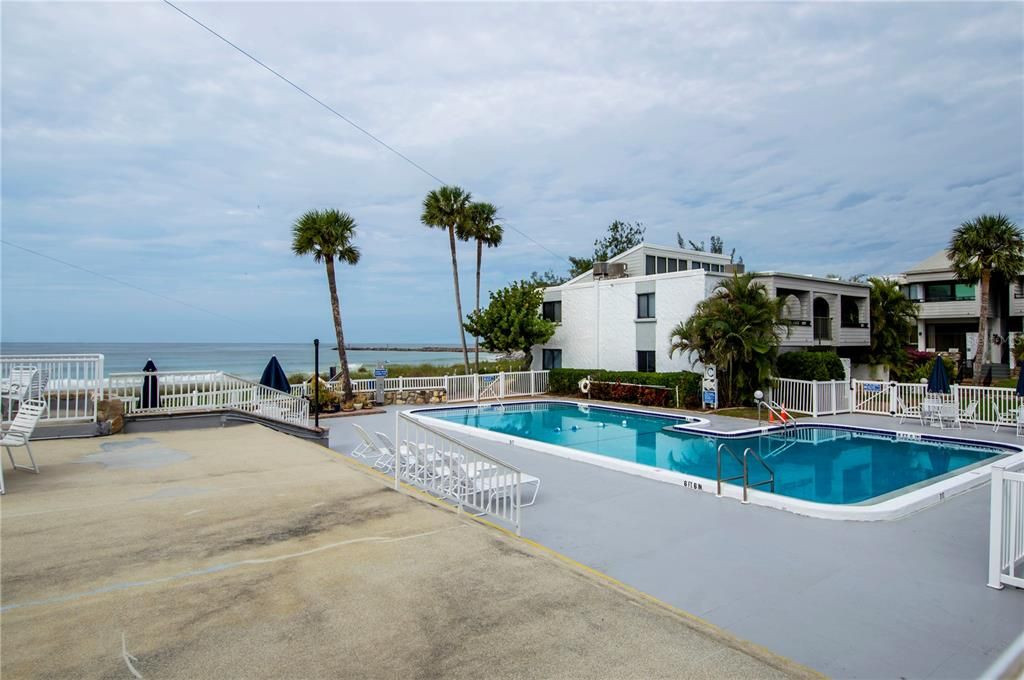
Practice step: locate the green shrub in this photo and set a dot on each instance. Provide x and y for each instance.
(566, 381)
(811, 366)
(919, 365)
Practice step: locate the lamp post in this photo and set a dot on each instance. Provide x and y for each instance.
(316, 382)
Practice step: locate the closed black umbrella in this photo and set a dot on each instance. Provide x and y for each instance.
(1020, 383)
(274, 376)
(150, 388)
(938, 381)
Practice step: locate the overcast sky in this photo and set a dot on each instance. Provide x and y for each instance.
(841, 138)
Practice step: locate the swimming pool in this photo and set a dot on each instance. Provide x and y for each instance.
(822, 464)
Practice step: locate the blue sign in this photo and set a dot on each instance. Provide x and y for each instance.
(489, 378)
(380, 373)
(710, 397)
(872, 387)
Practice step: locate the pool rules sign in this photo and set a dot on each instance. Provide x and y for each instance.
(709, 387)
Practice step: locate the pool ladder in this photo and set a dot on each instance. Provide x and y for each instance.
(748, 453)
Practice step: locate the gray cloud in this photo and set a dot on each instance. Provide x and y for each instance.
(136, 144)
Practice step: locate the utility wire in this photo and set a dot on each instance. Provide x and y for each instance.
(343, 117)
(125, 283)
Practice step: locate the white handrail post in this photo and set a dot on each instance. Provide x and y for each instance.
(814, 398)
(533, 382)
(476, 388)
(955, 390)
(995, 531)
(398, 444)
(892, 398)
(501, 384)
(401, 384)
(835, 399)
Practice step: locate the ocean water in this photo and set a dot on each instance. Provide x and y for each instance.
(246, 360)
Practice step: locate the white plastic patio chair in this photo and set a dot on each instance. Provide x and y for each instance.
(18, 434)
(970, 414)
(948, 416)
(904, 411)
(1009, 416)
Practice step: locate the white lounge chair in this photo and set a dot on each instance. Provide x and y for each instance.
(904, 411)
(18, 383)
(18, 434)
(371, 451)
(492, 484)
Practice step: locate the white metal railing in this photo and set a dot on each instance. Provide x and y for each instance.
(456, 387)
(70, 384)
(442, 465)
(205, 391)
(1006, 529)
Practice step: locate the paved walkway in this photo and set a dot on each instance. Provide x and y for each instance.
(899, 599)
(242, 553)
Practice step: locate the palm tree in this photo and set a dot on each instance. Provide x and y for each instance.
(446, 208)
(327, 235)
(985, 245)
(481, 225)
(736, 329)
(893, 318)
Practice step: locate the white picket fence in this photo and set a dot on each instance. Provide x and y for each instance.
(206, 391)
(1006, 533)
(977, 404)
(475, 387)
(70, 384)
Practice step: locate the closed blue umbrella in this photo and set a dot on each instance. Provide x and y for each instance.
(150, 386)
(274, 376)
(1020, 383)
(938, 381)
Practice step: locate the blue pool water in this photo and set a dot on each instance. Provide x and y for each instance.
(821, 464)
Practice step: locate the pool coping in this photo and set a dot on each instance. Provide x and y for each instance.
(886, 507)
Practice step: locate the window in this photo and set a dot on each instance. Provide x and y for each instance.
(551, 358)
(650, 265)
(553, 311)
(948, 291)
(662, 265)
(682, 265)
(673, 264)
(645, 362)
(645, 306)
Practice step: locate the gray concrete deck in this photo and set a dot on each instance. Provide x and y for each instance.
(897, 599)
(243, 553)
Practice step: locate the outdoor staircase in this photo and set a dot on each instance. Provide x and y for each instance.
(999, 371)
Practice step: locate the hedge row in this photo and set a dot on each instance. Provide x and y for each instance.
(566, 381)
(811, 366)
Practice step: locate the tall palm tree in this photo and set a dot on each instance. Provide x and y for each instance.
(737, 329)
(893, 318)
(327, 236)
(446, 208)
(985, 245)
(481, 225)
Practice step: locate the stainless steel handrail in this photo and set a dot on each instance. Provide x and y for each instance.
(745, 476)
(746, 479)
(786, 421)
(730, 479)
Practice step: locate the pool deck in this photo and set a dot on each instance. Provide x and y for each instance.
(890, 599)
(244, 553)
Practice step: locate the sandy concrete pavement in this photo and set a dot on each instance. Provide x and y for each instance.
(240, 552)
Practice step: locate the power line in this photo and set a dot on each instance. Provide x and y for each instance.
(125, 283)
(343, 117)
